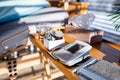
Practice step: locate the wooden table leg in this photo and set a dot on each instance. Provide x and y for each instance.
(41, 57)
(45, 61)
(47, 69)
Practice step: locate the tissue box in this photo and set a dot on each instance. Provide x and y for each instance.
(53, 44)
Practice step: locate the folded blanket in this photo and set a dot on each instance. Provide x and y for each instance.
(15, 9)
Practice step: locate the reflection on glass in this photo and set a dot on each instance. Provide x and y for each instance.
(42, 28)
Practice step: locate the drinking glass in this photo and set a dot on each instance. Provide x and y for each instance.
(41, 29)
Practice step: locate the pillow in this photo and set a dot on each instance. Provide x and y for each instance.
(15, 9)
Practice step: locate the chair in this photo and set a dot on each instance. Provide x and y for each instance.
(72, 7)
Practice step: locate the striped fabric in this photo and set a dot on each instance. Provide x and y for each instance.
(103, 5)
(101, 9)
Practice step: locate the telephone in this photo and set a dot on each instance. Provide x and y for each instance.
(73, 52)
